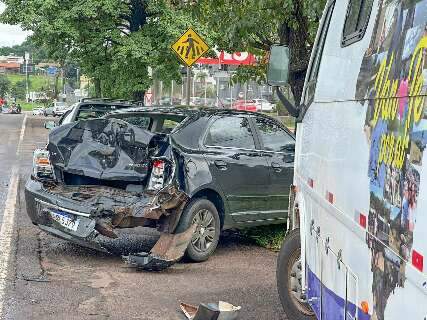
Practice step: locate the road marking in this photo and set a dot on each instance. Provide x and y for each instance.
(6, 229)
(21, 137)
(6, 234)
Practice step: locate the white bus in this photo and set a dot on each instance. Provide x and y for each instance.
(358, 222)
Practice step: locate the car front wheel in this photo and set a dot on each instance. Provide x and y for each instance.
(288, 274)
(204, 215)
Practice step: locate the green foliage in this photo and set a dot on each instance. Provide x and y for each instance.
(37, 53)
(19, 89)
(4, 85)
(37, 83)
(113, 41)
(270, 237)
(254, 25)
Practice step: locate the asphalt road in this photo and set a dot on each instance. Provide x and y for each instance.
(47, 278)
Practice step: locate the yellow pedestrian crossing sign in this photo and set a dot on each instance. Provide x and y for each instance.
(190, 47)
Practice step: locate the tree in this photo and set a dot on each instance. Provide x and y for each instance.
(254, 25)
(4, 85)
(19, 89)
(113, 41)
(38, 54)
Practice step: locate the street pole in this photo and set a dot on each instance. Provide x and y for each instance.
(188, 85)
(27, 94)
(172, 93)
(217, 92)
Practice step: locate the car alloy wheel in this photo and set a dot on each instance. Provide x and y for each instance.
(205, 232)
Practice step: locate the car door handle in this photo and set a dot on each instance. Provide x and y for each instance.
(276, 167)
(220, 164)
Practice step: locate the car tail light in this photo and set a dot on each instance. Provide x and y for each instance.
(42, 168)
(157, 175)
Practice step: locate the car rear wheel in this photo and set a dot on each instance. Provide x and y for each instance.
(288, 274)
(204, 214)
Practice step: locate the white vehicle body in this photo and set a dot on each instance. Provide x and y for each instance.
(361, 164)
(38, 111)
(264, 105)
(59, 108)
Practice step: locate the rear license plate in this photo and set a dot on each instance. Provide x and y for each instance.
(65, 220)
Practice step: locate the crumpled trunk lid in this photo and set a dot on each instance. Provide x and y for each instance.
(105, 149)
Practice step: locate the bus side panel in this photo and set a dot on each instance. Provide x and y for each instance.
(362, 149)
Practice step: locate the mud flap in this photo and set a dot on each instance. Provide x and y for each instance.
(167, 251)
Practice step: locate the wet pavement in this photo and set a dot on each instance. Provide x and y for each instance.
(51, 279)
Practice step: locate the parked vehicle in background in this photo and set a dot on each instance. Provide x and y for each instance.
(189, 173)
(59, 108)
(166, 101)
(6, 109)
(357, 237)
(244, 105)
(263, 105)
(90, 109)
(38, 111)
(48, 111)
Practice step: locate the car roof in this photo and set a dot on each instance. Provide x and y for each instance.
(186, 111)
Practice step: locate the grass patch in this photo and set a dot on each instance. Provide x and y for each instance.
(270, 237)
(37, 83)
(27, 106)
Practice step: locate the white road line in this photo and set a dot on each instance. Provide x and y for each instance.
(6, 234)
(21, 137)
(6, 229)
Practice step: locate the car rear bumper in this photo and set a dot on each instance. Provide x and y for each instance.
(40, 203)
(89, 221)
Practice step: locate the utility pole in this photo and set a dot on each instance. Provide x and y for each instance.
(172, 92)
(27, 91)
(188, 85)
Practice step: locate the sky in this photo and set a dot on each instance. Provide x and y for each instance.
(10, 35)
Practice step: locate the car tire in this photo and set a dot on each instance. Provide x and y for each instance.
(288, 265)
(206, 237)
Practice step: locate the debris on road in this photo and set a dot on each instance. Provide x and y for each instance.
(211, 311)
(168, 249)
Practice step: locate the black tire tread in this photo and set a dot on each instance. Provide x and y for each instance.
(291, 243)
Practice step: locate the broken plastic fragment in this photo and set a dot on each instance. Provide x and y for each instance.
(167, 250)
(212, 311)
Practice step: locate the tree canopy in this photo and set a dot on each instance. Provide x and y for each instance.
(116, 42)
(254, 25)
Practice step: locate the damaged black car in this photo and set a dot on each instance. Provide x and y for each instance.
(188, 173)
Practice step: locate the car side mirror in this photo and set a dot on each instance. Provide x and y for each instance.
(278, 66)
(49, 125)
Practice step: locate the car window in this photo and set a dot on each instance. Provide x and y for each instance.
(67, 117)
(139, 121)
(230, 132)
(273, 136)
(169, 125)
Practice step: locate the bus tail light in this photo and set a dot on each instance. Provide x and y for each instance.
(362, 220)
(310, 182)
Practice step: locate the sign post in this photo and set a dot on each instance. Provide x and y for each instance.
(190, 47)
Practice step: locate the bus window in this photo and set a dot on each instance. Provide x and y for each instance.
(317, 57)
(356, 22)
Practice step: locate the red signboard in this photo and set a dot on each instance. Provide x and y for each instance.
(237, 58)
